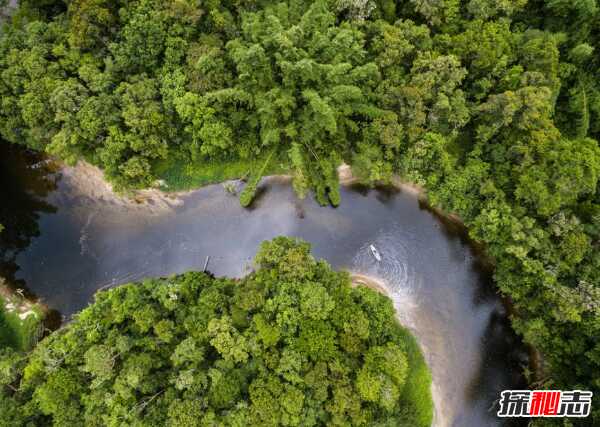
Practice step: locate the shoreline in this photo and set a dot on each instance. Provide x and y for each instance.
(24, 318)
(17, 302)
(89, 181)
(358, 279)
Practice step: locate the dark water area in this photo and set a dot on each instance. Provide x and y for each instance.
(26, 180)
(72, 245)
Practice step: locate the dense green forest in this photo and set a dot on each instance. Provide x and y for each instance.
(291, 344)
(19, 331)
(491, 105)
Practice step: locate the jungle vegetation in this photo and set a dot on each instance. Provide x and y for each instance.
(21, 322)
(491, 105)
(291, 344)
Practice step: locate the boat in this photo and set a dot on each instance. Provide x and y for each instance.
(375, 252)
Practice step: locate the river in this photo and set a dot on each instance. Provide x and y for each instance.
(63, 243)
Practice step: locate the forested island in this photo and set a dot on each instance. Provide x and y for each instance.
(491, 106)
(291, 344)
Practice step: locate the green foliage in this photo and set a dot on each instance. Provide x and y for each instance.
(18, 333)
(180, 172)
(279, 347)
(130, 88)
(382, 376)
(492, 106)
(250, 189)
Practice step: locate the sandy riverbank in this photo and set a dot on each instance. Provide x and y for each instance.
(89, 181)
(436, 392)
(369, 282)
(346, 177)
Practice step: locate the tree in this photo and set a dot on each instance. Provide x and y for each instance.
(192, 349)
(492, 106)
(289, 96)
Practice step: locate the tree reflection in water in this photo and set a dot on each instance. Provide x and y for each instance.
(26, 179)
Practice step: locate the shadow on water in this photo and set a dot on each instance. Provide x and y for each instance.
(361, 189)
(497, 337)
(26, 179)
(386, 194)
(259, 195)
(482, 265)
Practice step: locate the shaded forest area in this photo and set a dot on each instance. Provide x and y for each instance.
(492, 105)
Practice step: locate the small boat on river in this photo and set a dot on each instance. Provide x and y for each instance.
(375, 253)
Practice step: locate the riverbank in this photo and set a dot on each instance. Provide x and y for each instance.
(369, 282)
(178, 179)
(21, 320)
(89, 181)
(179, 173)
(7, 10)
(418, 392)
(429, 272)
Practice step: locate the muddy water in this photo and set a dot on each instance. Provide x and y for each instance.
(84, 243)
